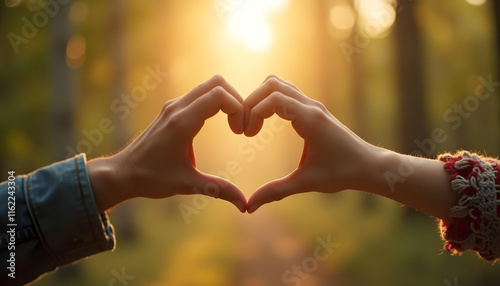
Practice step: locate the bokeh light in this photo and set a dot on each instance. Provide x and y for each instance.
(476, 2)
(376, 17)
(75, 51)
(343, 19)
(12, 3)
(249, 22)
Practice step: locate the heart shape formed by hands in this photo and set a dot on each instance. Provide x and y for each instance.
(161, 162)
(309, 119)
(319, 129)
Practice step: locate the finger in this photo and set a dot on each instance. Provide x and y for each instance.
(274, 83)
(277, 103)
(169, 102)
(277, 190)
(304, 98)
(211, 103)
(200, 90)
(219, 188)
(283, 81)
(271, 85)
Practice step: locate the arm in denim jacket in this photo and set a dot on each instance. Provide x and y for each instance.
(59, 208)
(56, 222)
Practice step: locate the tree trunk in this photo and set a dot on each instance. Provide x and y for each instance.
(117, 52)
(413, 115)
(63, 86)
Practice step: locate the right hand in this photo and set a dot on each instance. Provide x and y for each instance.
(333, 158)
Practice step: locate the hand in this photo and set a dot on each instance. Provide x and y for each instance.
(160, 163)
(333, 157)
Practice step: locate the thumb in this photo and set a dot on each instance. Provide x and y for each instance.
(217, 187)
(277, 190)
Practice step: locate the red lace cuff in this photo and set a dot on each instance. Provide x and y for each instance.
(475, 217)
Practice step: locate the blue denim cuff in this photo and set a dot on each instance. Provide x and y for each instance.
(64, 212)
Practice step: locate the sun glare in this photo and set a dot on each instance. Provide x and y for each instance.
(248, 22)
(377, 16)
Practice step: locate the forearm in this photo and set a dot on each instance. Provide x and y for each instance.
(420, 183)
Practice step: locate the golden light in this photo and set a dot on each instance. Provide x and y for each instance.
(248, 22)
(251, 30)
(376, 17)
(342, 17)
(476, 2)
(75, 52)
(12, 3)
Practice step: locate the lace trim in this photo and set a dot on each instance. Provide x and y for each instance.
(475, 219)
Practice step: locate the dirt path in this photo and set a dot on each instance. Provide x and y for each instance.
(267, 248)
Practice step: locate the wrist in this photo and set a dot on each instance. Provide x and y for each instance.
(378, 165)
(103, 179)
(417, 182)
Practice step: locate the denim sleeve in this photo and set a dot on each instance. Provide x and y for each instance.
(55, 221)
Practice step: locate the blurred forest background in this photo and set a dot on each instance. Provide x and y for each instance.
(87, 76)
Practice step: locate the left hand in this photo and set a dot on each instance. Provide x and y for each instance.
(160, 163)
